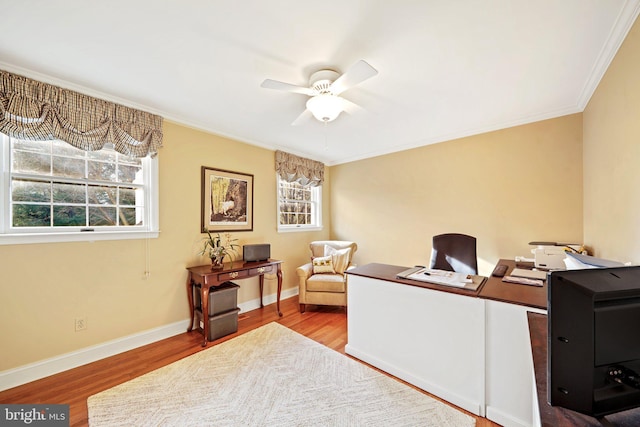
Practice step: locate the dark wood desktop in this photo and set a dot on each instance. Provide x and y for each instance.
(531, 296)
(205, 277)
(389, 273)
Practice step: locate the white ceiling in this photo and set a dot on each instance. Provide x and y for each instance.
(447, 69)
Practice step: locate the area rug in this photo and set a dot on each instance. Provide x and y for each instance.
(271, 376)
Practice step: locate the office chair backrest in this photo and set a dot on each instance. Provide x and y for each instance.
(454, 252)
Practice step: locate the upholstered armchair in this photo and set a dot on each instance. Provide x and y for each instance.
(323, 280)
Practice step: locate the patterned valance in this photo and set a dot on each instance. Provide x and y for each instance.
(292, 168)
(38, 111)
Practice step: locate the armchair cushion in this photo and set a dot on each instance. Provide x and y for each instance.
(326, 283)
(323, 265)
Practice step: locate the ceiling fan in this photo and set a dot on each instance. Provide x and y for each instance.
(325, 87)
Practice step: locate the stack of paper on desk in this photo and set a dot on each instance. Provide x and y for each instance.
(441, 277)
(529, 274)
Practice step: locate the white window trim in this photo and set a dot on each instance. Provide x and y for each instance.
(151, 231)
(297, 228)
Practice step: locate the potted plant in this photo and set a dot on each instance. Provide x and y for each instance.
(217, 249)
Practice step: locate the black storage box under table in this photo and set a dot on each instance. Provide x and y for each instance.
(223, 310)
(219, 325)
(221, 298)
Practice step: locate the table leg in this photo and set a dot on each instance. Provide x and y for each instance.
(190, 297)
(279, 274)
(204, 289)
(261, 281)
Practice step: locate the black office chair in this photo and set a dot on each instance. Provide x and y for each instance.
(454, 252)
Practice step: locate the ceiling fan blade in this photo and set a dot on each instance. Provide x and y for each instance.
(357, 73)
(288, 87)
(306, 115)
(350, 107)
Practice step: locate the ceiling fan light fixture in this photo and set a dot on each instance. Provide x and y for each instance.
(325, 107)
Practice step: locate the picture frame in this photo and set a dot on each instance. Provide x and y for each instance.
(227, 201)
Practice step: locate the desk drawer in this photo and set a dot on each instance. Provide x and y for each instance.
(262, 270)
(234, 275)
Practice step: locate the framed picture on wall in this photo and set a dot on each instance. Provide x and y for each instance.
(227, 200)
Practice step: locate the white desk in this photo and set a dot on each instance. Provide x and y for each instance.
(470, 350)
(429, 338)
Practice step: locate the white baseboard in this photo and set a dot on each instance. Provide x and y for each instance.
(464, 402)
(505, 419)
(44, 368)
(268, 299)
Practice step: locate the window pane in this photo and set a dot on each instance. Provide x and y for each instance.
(36, 146)
(126, 160)
(23, 190)
(67, 216)
(30, 162)
(102, 195)
(31, 215)
(128, 173)
(128, 196)
(68, 168)
(101, 171)
(130, 216)
(102, 215)
(104, 155)
(62, 148)
(69, 193)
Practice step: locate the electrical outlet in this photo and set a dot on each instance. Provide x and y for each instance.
(81, 323)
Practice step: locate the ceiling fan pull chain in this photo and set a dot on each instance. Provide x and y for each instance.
(326, 145)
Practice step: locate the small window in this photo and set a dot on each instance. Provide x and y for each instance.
(54, 189)
(299, 206)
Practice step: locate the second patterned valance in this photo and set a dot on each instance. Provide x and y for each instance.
(304, 171)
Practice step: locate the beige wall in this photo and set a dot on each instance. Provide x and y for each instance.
(507, 188)
(612, 158)
(45, 286)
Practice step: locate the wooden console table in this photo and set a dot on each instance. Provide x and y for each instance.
(205, 277)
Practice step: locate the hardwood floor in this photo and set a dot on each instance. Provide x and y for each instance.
(326, 325)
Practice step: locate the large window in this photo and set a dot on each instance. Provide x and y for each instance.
(299, 206)
(52, 191)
